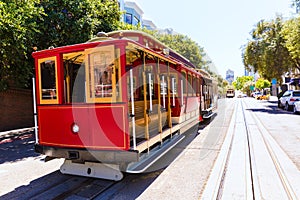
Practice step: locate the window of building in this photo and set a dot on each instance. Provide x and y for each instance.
(128, 18)
(135, 20)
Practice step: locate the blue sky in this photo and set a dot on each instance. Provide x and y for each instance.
(221, 27)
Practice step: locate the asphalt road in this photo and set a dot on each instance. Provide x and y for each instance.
(181, 173)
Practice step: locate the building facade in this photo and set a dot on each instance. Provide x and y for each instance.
(134, 14)
(230, 76)
(148, 24)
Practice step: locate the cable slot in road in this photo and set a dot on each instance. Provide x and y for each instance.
(251, 165)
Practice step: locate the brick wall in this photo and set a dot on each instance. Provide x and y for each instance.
(16, 109)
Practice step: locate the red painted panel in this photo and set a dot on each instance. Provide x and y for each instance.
(101, 127)
(192, 104)
(55, 126)
(108, 127)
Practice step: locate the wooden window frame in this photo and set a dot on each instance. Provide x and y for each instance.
(90, 76)
(48, 101)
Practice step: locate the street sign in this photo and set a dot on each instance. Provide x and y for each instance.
(274, 87)
(274, 81)
(251, 87)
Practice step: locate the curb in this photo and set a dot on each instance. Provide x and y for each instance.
(15, 132)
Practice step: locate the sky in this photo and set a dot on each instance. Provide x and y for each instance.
(220, 27)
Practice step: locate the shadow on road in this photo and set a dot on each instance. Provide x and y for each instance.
(36, 186)
(131, 187)
(17, 147)
(272, 108)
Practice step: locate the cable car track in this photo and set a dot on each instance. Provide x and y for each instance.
(251, 165)
(272, 147)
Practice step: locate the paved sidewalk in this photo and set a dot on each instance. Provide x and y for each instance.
(16, 131)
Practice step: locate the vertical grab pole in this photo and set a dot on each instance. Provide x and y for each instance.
(146, 116)
(150, 91)
(181, 85)
(163, 92)
(34, 112)
(159, 99)
(169, 97)
(132, 110)
(173, 91)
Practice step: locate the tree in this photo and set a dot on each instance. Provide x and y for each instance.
(262, 83)
(266, 52)
(187, 48)
(184, 46)
(74, 21)
(290, 33)
(18, 25)
(242, 83)
(41, 24)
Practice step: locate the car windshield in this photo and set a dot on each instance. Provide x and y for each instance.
(296, 94)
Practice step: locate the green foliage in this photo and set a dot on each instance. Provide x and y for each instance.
(262, 83)
(34, 23)
(291, 34)
(18, 25)
(73, 21)
(187, 48)
(184, 46)
(243, 83)
(266, 52)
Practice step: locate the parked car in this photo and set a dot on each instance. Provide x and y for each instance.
(263, 97)
(288, 99)
(239, 94)
(297, 107)
(255, 94)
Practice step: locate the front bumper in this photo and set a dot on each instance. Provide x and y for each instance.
(103, 156)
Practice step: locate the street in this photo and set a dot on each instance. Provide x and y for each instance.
(249, 150)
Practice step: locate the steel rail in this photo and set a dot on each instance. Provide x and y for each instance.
(279, 169)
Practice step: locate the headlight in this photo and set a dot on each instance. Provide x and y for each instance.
(75, 128)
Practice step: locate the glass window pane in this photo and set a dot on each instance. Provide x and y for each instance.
(102, 74)
(184, 83)
(48, 80)
(128, 18)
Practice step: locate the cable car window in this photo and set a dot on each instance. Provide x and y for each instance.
(100, 76)
(74, 77)
(163, 84)
(174, 83)
(48, 81)
(190, 85)
(195, 85)
(198, 87)
(184, 83)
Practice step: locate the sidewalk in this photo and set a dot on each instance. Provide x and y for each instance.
(16, 131)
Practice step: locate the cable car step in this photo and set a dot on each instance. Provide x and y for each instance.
(209, 115)
(92, 169)
(148, 159)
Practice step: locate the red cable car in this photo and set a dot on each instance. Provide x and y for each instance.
(116, 103)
